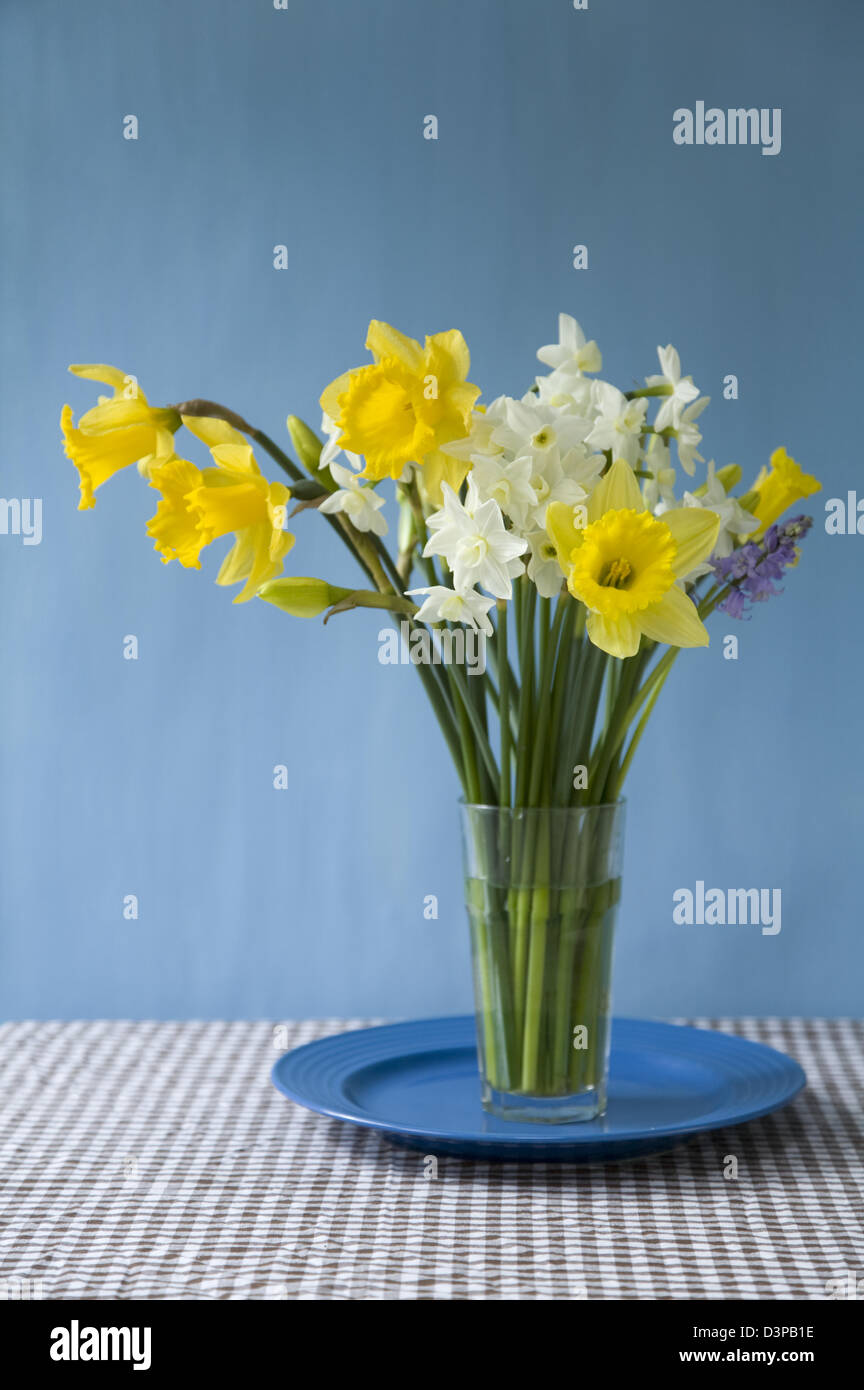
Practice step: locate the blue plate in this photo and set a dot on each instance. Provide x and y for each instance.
(417, 1083)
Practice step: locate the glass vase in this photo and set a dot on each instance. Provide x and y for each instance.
(542, 889)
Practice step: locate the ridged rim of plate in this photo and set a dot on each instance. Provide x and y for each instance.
(314, 1075)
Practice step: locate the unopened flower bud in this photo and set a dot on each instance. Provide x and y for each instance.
(302, 598)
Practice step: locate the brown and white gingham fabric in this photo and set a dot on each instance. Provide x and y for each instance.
(155, 1160)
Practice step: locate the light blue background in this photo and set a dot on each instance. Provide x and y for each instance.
(304, 127)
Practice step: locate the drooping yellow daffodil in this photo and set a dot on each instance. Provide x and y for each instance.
(623, 564)
(779, 488)
(200, 505)
(120, 430)
(407, 403)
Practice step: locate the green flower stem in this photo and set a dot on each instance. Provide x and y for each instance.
(477, 903)
(387, 561)
(446, 716)
(489, 779)
(469, 756)
(524, 832)
(567, 651)
(533, 901)
(618, 780)
(494, 656)
(561, 1026)
(273, 449)
(399, 608)
(664, 390)
(659, 673)
(534, 988)
(560, 626)
(541, 724)
(563, 741)
(591, 675)
(412, 493)
(587, 1001)
(574, 870)
(526, 601)
(612, 684)
(616, 728)
(513, 702)
(464, 701)
(363, 545)
(503, 703)
(476, 907)
(711, 600)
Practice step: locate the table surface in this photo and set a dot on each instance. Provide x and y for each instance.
(156, 1161)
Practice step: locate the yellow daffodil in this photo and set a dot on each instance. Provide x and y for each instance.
(403, 406)
(779, 488)
(120, 430)
(200, 505)
(623, 564)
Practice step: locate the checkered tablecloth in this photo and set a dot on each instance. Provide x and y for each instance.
(155, 1160)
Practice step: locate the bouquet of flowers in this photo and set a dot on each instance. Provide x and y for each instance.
(549, 530)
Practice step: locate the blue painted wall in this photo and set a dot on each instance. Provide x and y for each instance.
(304, 127)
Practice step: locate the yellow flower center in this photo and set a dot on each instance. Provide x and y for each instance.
(617, 574)
(473, 551)
(624, 563)
(543, 438)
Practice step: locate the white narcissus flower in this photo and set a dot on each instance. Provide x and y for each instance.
(571, 350)
(445, 605)
(360, 504)
(529, 427)
(683, 390)
(474, 541)
(543, 567)
(507, 482)
(619, 422)
(331, 450)
(688, 436)
(582, 466)
(734, 520)
(550, 482)
(567, 392)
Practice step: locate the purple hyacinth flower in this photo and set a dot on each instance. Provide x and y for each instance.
(753, 568)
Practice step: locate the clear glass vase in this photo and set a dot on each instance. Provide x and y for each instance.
(542, 889)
